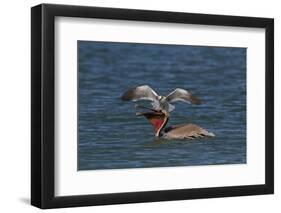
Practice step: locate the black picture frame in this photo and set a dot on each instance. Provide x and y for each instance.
(43, 102)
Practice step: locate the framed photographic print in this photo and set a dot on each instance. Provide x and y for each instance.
(139, 106)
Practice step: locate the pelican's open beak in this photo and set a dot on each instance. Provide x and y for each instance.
(152, 111)
(157, 118)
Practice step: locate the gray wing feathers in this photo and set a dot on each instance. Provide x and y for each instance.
(187, 131)
(182, 95)
(140, 93)
(171, 107)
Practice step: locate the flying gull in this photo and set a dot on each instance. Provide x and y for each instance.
(159, 102)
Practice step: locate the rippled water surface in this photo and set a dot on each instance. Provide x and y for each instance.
(112, 137)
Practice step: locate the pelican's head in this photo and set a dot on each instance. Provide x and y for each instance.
(157, 118)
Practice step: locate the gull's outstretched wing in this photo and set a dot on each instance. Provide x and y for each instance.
(140, 93)
(182, 95)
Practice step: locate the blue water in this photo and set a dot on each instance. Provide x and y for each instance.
(112, 137)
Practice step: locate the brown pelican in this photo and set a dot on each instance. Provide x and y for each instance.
(159, 115)
(159, 119)
(159, 102)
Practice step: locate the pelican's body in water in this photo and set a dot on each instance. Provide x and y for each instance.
(159, 121)
(159, 115)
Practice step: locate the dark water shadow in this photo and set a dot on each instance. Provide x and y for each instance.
(25, 200)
